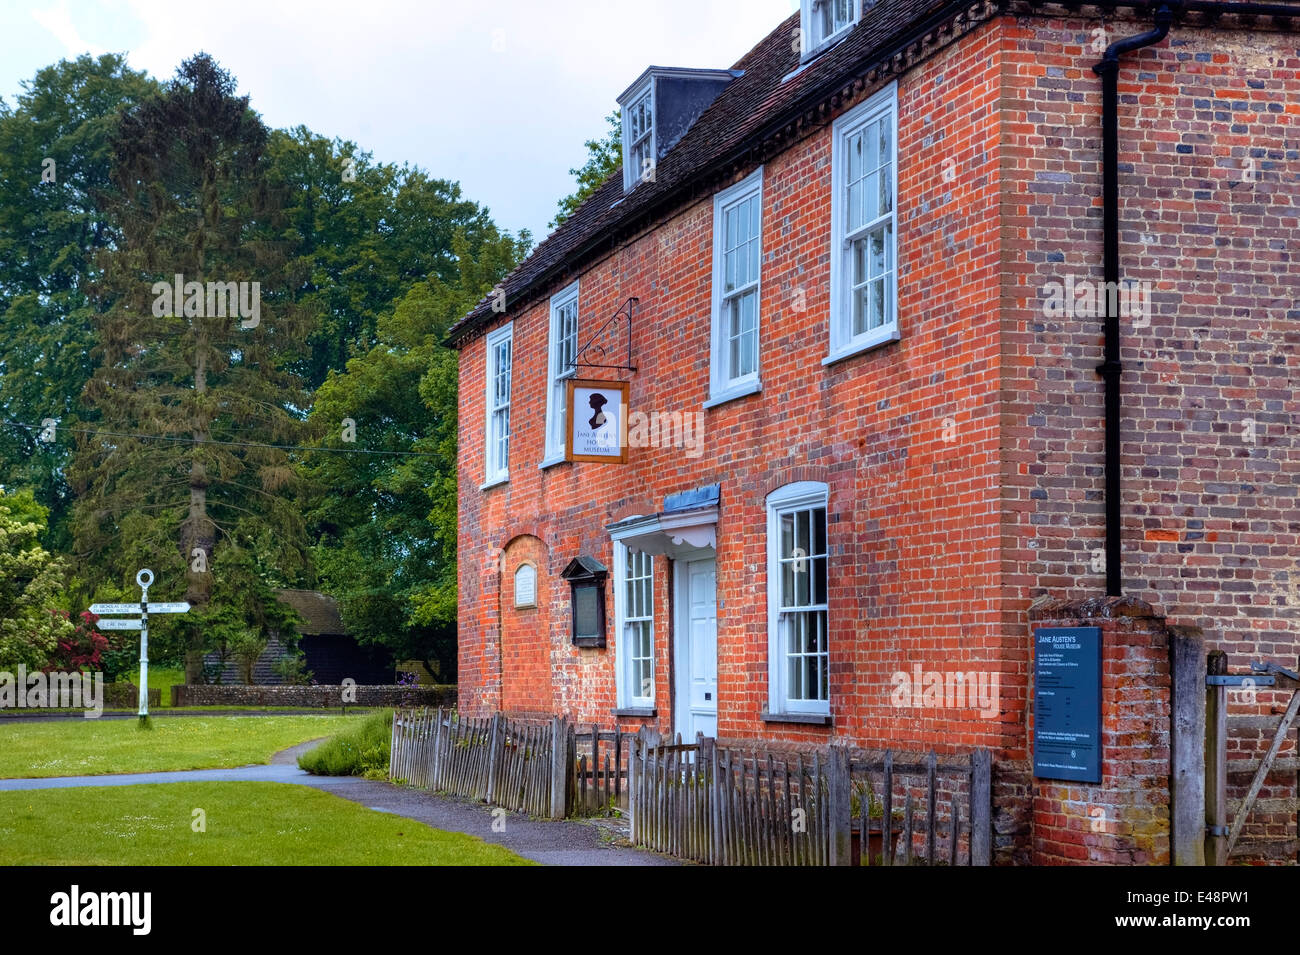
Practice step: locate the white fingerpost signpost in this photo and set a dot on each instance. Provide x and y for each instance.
(144, 578)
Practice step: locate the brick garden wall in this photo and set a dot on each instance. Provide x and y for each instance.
(1124, 819)
(312, 696)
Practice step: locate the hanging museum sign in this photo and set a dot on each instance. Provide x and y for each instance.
(596, 423)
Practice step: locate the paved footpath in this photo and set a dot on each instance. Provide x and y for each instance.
(552, 843)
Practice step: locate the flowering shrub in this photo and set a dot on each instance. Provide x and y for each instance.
(79, 646)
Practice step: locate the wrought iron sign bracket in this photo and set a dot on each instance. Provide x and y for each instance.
(611, 326)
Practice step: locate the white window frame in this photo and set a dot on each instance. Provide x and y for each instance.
(632, 174)
(792, 497)
(627, 690)
(556, 376)
(493, 412)
(842, 341)
(814, 44)
(722, 385)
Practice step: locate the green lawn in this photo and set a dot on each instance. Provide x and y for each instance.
(92, 747)
(164, 680)
(246, 824)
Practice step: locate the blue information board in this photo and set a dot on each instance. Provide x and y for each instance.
(1067, 703)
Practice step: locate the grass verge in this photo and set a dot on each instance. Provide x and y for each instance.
(164, 680)
(245, 823)
(92, 747)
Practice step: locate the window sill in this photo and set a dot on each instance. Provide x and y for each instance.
(495, 482)
(643, 712)
(731, 394)
(589, 643)
(865, 344)
(551, 462)
(808, 719)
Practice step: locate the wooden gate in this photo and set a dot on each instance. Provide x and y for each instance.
(1221, 837)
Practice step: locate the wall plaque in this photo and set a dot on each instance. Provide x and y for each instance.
(1067, 703)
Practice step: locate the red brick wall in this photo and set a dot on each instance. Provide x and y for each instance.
(939, 547)
(1211, 523)
(526, 632)
(1124, 819)
(913, 517)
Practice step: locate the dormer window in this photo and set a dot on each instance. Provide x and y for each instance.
(826, 21)
(639, 138)
(657, 111)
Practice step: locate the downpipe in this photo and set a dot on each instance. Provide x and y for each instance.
(1111, 368)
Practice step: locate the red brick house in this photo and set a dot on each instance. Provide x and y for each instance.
(849, 284)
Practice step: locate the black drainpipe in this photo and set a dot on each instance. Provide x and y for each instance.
(1111, 368)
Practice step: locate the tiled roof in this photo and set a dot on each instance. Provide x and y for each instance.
(753, 104)
(320, 612)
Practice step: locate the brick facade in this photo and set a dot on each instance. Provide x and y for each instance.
(964, 461)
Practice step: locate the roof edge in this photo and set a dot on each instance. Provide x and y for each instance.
(904, 48)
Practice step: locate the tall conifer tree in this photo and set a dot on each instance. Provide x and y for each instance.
(193, 390)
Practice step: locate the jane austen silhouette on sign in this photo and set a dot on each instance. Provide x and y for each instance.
(597, 401)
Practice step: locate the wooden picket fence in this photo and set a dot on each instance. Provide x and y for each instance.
(505, 762)
(600, 770)
(725, 806)
(924, 832)
(720, 805)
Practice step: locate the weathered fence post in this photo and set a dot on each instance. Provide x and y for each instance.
(839, 784)
(633, 780)
(435, 768)
(571, 767)
(559, 767)
(494, 756)
(981, 807)
(715, 806)
(393, 744)
(1216, 765)
(1187, 674)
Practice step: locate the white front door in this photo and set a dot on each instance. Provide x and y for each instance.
(697, 649)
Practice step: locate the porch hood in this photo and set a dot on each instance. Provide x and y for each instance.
(688, 522)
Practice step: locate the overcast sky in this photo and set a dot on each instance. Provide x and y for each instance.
(497, 95)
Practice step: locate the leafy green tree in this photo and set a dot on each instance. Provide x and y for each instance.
(195, 400)
(55, 162)
(386, 529)
(30, 583)
(604, 158)
(363, 234)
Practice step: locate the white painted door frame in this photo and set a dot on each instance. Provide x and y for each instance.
(683, 719)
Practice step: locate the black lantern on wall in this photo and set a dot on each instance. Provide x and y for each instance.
(586, 577)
